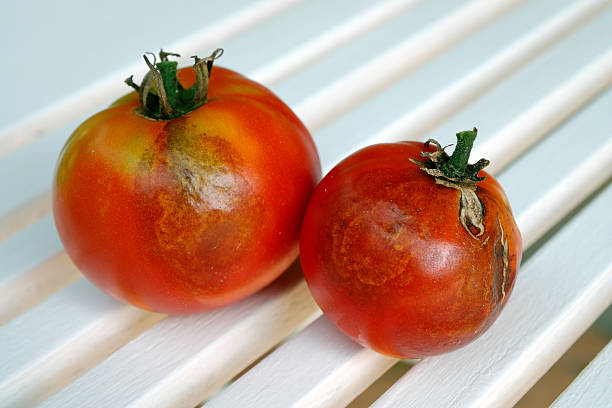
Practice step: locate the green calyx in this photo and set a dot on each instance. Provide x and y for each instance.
(455, 172)
(455, 167)
(162, 97)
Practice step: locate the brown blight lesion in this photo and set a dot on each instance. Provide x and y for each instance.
(471, 209)
(199, 208)
(372, 239)
(504, 243)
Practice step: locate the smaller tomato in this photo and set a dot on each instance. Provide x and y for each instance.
(409, 251)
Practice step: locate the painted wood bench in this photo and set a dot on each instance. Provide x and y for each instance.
(533, 76)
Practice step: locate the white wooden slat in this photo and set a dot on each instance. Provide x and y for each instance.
(310, 370)
(499, 105)
(25, 250)
(330, 40)
(594, 172)
(36, 284)
(50, 346)
(447, 102)
(593, 387)
(181, 360)
(359, 367)
(32, 266)
(549, 112)
(25, 215)
(383, 70)
(99, 93)
(26, 174)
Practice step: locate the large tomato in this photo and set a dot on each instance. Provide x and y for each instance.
(409, 251)
(188, 195)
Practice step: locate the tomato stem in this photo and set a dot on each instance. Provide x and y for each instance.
(456, 167)
(459, 159)
(455, 172)
(162, 97)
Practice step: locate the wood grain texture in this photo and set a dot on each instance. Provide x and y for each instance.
(319, 367)
(182, 360)
(64, 336)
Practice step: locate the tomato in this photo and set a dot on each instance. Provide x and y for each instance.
(185, 196)
(409, 251)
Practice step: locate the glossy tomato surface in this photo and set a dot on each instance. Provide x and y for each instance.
(389, 263)
(188, 214)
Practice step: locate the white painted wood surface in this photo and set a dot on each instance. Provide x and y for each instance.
(182, 360)
(98, 94)
(534, 76)
(592, 387)
(432, 112)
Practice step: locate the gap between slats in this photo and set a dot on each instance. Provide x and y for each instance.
(592, 387)
(585, 183)
(27, 214)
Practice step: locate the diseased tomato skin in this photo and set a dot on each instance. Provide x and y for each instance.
(387, 260)
(189, 214)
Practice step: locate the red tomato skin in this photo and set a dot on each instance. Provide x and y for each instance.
(189, 214)
(387, 260)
